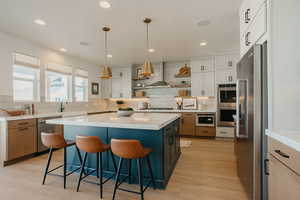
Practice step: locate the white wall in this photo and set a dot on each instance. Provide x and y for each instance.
(285, 64)
(10, 44)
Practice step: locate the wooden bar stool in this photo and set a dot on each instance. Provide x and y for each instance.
(56, 141)
(92, 144)
(132, 149)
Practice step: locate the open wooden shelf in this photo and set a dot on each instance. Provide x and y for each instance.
(182, 76)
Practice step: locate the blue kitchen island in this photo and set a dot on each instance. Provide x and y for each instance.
(157, 131)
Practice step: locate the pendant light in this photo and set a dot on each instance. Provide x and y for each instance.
(147, 69)
(106, 71)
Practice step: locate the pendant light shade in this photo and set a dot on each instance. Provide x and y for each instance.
(106, 71)
(147, 68)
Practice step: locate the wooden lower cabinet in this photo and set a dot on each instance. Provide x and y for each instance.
(284, 184)
(22, 138)
(188, 124)
(206, 131)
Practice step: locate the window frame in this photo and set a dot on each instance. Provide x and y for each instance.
(36, 81)
(69, 86)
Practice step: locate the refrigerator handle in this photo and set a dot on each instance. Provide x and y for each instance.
(237, 116)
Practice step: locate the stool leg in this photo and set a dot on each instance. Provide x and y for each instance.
(79, 155)
(97, 165)
(65, 167)
(140, 173)
(101, 176)
(114, 161)
(117, 178)
(151, 172)
(81, 171)
(129, 171)
(47, 165)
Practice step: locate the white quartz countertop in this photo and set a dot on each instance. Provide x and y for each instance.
(289, 138)
(175, 111)
(54, 114)
(146, 121)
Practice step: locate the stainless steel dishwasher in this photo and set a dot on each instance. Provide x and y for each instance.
(47, 128)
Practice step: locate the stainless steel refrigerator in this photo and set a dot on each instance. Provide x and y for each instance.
(251, 121)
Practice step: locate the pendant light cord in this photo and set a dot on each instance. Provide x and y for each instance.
(148, 41)
(105, 37)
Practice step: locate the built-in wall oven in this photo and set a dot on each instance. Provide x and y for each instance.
(225, 117)
(226, 95)
(205, 119)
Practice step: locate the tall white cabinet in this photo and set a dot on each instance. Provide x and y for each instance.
(208, 72)
(203, 77)
(226, 68)
(121, 82)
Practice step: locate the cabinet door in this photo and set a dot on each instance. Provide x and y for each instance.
(116, 88)
(188, 124)
(259, 26)
(21, 141)
(283, 182)
(203, 84)
(245, 15)
(196, 84)
(203, 65)
(208, 88)
(225, 76)
(226, 62)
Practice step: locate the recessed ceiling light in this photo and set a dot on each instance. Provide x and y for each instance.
(203, 44)
(63, 50)
(40, 22)
(104, 4)
(109, 55)
(203, 23)
(151, 50)
(84, 43)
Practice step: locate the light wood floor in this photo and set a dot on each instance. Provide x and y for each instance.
(206, 171)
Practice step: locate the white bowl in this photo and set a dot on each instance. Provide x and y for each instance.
(125, 113)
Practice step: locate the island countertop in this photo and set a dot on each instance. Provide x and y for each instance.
(145, 121)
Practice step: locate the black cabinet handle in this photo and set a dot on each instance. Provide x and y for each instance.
(247, 42)
(247, 18)
(266, 161)
(282, 154)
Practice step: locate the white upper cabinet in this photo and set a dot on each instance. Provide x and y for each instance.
(224, 76)
(203, 84)
(202, 65)
(121, 82)
(253, 23)
(226, 62)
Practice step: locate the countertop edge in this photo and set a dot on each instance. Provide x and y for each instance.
(54, 114)
(113, 125)
(292, 143)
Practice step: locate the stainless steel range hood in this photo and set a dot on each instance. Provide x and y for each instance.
(160, 71)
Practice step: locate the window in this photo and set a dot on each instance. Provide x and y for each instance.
(26, 78)
(81, 88)
(58, 83)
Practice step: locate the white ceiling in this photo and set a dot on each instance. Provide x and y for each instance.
(174, 33)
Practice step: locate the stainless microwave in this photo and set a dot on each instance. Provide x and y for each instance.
(226, 95)
(205, 119)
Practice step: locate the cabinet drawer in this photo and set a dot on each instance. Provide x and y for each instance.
(15, 124)
(283, 182)
(226, 132)
(285, 154)
(21, 142)
(206, 131)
